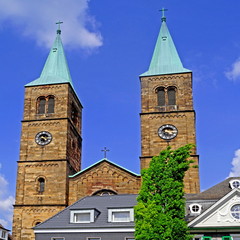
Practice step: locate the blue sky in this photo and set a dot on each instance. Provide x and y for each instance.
(108, 45)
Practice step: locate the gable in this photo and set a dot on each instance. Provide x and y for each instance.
(220, 214)
(104, 175)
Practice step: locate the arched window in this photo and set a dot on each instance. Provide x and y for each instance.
(51, 103)
(104, 192)
(74, 114)
(41, 105)
(41, 185)
(171, 96)
(161, 96)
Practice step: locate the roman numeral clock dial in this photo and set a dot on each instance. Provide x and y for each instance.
(43, 138)
(167, 132)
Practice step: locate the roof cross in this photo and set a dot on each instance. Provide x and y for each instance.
(105, 150)
(163, 10)
(59, 30)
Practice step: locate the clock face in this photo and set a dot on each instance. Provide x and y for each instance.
(43, 138)
(167, 132)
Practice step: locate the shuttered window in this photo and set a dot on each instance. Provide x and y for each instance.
(51, 103)
(161, 96)
(171, 96)
(41, 105)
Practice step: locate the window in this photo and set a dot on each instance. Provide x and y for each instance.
(51, 103)
(226, 238)
(234, 183)
(120, 215)
(195, 208)
(41, 185)
(93, 238)
(57, 238)
(104, 192)
(166, 98)
(41, 105)
(74, 114)
(82, 216)
(45, 105)
(171, 96)
(235, 211)
(161, 96)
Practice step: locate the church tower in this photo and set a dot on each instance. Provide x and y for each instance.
(50, 148)
(167, 114)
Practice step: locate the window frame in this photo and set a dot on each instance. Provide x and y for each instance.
(95, 238)
(73, 212)
(111, 211)
(191, 206)
(55, 238)
(232, 182)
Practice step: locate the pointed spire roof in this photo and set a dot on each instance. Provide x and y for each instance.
(56, 69)
(165, 59)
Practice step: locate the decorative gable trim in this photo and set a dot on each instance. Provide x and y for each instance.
(232, 198)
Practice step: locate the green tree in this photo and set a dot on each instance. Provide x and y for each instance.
(160, 211)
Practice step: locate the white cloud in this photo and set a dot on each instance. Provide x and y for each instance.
(234, 73)
(36, 19)
(235, 171)
(6, 203)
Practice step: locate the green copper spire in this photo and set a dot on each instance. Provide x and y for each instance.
(55, 70)
(165, 59)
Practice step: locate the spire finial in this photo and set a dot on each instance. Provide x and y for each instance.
(163, 14)
(59, 29)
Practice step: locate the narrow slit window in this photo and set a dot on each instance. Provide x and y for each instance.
(41, 105)
(41, 185)
(161, 96)
(171, 96)
(51, 103)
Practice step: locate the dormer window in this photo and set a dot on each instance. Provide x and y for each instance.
(235, 183)
(83, 216)
(120, 215)
(195, 208)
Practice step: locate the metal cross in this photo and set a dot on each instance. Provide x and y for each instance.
(105, 150)
(163, 11)
(59, 30)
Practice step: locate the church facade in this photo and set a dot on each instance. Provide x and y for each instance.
(49, 176)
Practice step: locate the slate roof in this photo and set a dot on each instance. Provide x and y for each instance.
(214, 193)
(99, 203)
(208, 197)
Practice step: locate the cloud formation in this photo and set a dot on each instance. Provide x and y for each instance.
(234, 73)
(235, 171)
(6, 203)
(36, 19)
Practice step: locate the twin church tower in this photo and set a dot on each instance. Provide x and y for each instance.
(50, 177)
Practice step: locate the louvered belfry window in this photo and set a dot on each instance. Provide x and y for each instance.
(161, 96)
(41, 105)
(51, 104)
(171, 96)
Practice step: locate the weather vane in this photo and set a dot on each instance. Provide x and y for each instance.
(59, 30)
(105, 150)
